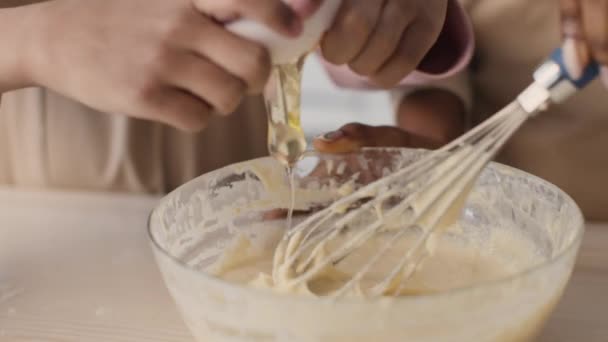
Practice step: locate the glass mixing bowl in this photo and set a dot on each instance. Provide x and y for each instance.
(192, 225)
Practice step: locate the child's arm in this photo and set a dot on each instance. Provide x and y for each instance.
(427, 117)
(440, 109)
(440, 112)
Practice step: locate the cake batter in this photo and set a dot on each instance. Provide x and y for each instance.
(455, 263)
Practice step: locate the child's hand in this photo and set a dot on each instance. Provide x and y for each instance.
(164, 60)
(426, 119)
(384, 39)
(585, 33)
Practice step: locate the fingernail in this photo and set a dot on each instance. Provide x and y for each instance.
(572, 60)
(604, 76)
(332, 136)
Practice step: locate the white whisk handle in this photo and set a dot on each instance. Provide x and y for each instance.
(554, 84)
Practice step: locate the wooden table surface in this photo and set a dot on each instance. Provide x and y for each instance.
(77, 267)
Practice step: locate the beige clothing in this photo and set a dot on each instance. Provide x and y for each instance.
(48, 141)
(567, 145)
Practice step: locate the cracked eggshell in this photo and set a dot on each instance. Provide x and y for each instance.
(283, 49)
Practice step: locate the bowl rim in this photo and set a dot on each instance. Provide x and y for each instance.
(232, 286)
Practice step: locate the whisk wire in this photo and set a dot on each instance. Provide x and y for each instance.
(427, 192)
(463, 176)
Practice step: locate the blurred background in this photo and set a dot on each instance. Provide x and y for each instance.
(327, 107)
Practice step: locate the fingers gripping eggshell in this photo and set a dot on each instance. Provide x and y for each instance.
(283, 49)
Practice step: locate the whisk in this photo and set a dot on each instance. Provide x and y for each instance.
(425, 196)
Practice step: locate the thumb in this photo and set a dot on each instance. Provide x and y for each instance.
(354, 136)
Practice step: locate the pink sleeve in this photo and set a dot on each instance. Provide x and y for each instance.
(450, 54)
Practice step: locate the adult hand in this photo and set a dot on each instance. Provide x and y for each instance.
(585, 34)
(384, 39)
(168, 61)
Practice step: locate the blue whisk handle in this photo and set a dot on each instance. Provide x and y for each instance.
(590, 73)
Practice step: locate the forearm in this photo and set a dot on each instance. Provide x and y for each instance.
(459, 85)
(440, 110)
(14, 28)
(435, 114)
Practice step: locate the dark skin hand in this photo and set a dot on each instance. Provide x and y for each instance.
(384, 39)
(425, 119)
